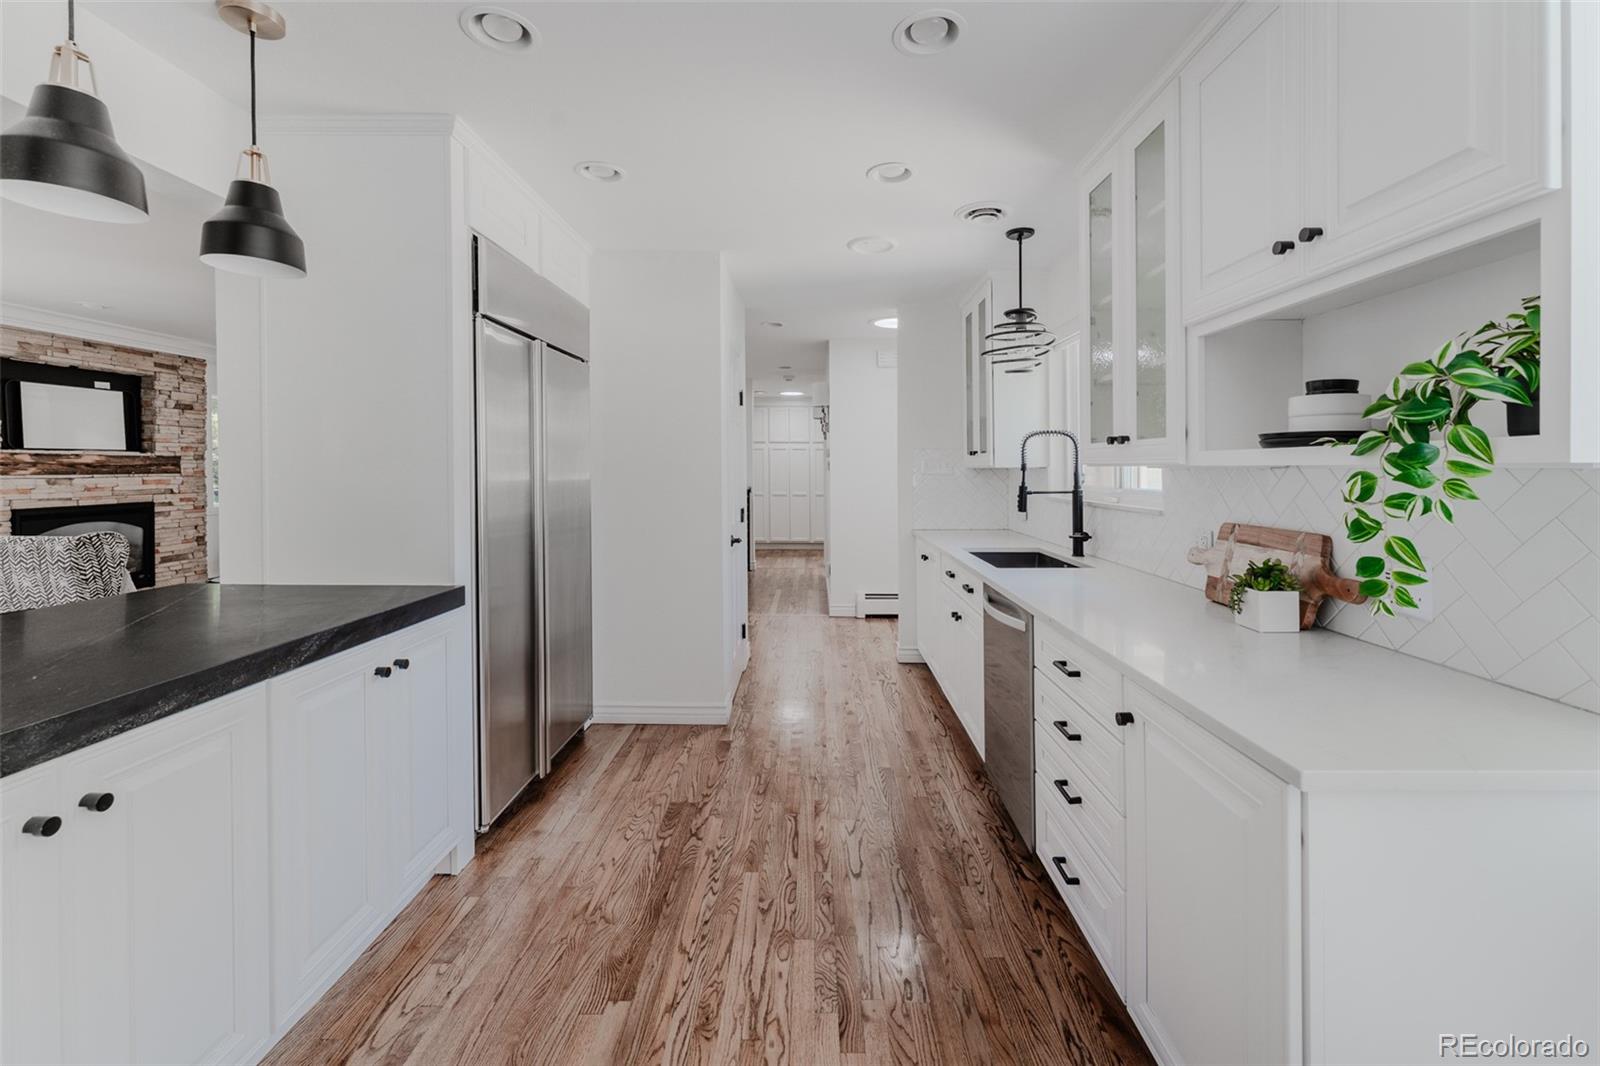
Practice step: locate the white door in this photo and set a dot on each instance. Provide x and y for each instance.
(31, 920)
(166, 890)
(1243, 157)
(1420, 115)
(418, 731)
(760, 501)
(1214, 894)
(329, 819)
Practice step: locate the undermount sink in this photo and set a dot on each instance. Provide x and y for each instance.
(1018, 560)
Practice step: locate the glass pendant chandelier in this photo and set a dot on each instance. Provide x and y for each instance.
(1021, 335)
(250, 235)
(62, 156)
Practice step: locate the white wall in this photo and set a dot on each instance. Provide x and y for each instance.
(735, 480)
(661, 548)
(862, 473)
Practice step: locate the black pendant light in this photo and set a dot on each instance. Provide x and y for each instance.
(250, 235)
(62, 156)
(1021, 335)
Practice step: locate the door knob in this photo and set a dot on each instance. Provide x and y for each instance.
(735, 540)
(1309, 234)
(1280, 247)
(99, 802)
(42, 826)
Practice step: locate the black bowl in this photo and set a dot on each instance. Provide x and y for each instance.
(1322, 386)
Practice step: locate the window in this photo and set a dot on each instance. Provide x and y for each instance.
(1130, 487)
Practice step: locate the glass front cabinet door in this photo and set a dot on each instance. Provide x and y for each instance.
(977, 312)
(1131, 406)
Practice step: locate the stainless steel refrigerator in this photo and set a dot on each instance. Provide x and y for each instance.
(535, 650)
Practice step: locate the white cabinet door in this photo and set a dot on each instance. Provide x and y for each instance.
(930, 594)
(1214, 894)
(497, 209)
(418, 759)
(1243, 157)
(1021, 404)
(31, 919)
(966, 657)
(329, 875)
(977, 318)
(1421, 115)
(166, 889)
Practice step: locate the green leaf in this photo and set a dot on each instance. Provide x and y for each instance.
(1378, 406)
(1425, 408)
(1427, 505)
(1419, 370)
(1497, 388)
(1466, 361)
(1444, 351)
(1374, 587)
(1370, 566)
(1370, 441)
(1406, 577)
(1444, 509)
(1533, 314)
(1361, 527)
(1474, 377)
(1404, 598)
(1456, 489)
(1417, 453)
(1471, 441)
(1468, 469)
(1360, 486)
(1399, 504)
(1402, 551)
(1418, 477)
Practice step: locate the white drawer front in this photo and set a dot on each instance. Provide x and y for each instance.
(1065, 723)
(1079, 801)
(1095, 900)
(963, 582)
(964, 610)
(1089, 680)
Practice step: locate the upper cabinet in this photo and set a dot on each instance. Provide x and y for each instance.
(977, 313)
(1006, 398)
(503, 209)
(1317, 135)
(1131, 384)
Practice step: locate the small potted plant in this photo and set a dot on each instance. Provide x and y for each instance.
(1266, 597)
(1511, 349)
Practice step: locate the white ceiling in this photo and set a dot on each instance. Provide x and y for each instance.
(743, 127)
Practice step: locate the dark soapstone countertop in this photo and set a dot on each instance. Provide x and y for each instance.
(77, 674)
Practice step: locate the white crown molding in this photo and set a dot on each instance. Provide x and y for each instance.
(90, 329)
(361, 125)
(470, 139)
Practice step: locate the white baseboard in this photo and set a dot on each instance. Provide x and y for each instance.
(909, 655)
(841, 610)
(661, 714)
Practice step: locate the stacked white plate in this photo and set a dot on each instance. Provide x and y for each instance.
(1324, 412)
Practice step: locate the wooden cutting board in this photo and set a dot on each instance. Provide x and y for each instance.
(1309, 556)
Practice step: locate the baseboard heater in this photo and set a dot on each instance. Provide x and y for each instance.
(878, 604)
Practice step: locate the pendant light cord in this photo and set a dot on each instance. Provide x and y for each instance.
(253, 143)
(72, 23)
(1019, 270)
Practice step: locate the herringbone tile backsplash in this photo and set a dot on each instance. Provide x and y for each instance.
(1514, 582)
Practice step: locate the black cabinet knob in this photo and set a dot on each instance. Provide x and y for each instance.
(956, 615)
(973, 452)
(1067, 668)
(1061, 864)
(1309, 234)
(924, 558)
(1061, 787)
(967, 589)
(735, 540)
(403, 664)
(951, 574)
(1065, 729)
(1124, 717)
(45, 825)
(1280, 247)
(99, 802)
(383, 671)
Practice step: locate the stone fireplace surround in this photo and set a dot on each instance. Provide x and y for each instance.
(169, 472)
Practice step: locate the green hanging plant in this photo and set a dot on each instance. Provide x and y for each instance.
(1433, 400)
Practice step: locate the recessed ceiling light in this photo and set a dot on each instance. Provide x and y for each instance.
(870, 245)
(790, 392)
(929, 32)
(887, 323)
(982, 211)
(497, 28)
(597, 170)
(889, 173)
(773, 325)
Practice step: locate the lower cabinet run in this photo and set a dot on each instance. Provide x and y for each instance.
(950, 635)
(182, 893)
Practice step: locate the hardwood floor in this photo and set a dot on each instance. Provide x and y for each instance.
(828, 879)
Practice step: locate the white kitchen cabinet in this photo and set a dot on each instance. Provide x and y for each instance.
(501, 206)
(1214, 935)
(418, 708)
(929, 597)
(1419, 115)
(950, 635)
(31, 920)
(1131, 398)
(1005, 400)
(964, 647)
(167, 891)
(977, 319)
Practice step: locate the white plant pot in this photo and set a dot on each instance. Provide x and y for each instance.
(1270, 612)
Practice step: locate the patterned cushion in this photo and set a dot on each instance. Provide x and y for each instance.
(47, 571)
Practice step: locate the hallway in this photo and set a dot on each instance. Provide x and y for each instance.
(825, 880)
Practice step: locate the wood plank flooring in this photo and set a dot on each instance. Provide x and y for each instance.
(828, 879)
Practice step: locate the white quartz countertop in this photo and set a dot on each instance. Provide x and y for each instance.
(1320, 710)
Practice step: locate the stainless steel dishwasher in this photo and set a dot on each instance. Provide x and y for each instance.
(1008, 707)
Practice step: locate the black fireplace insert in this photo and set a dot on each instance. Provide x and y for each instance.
(136, 521)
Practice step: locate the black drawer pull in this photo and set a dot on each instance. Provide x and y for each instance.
(47, 825)
(1067, 668)
(967, 589)
(956, 615)
(1280, 247)
(924, 558)
(403, 664)
(1309, 234)
(1061, 787)
(1065, 729)
(951, 574)
(1061, 864)
(383, 671)
(1124, 717)
(99, 802)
